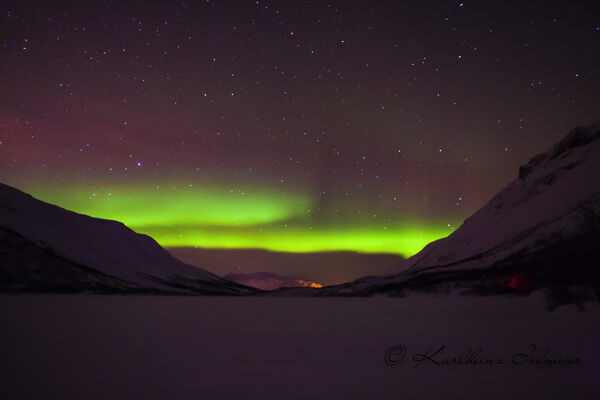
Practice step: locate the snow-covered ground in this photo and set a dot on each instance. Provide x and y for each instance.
(159, 347)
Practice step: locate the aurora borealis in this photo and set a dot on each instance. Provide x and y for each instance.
(156, 205)
(367, 126)
(212, 217)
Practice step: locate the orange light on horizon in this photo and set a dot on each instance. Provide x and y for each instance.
(308, 284)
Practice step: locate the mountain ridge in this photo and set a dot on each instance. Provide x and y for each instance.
(109, 248)
(574, 150)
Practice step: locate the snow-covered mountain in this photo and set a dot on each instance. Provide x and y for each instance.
(548, 215)
(45, 247)
(538, 209)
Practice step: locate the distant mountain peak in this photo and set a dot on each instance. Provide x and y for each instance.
(270, 280)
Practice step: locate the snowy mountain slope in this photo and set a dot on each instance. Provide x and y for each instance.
(538, 209)
(106, 247)
(540, 219)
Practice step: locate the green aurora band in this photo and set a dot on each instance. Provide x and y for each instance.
(210, 216)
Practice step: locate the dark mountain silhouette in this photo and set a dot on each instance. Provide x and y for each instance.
(45, 248)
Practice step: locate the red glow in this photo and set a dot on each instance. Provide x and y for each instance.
(520, 283)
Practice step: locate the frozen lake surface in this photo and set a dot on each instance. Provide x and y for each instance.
(143, 347)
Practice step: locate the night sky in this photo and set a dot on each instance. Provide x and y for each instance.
(293, 126)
